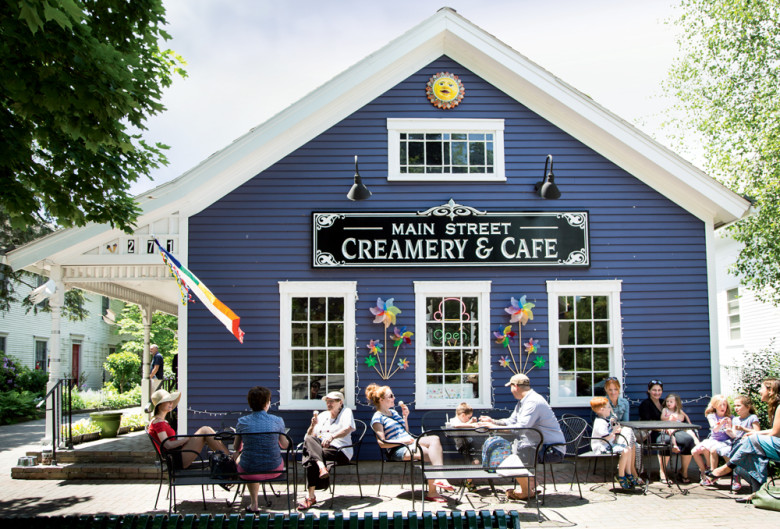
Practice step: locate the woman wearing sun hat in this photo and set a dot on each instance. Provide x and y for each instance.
(328, 432)
(186, 449)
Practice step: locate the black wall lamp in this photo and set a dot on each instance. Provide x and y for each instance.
(359, 191)
(546, 188)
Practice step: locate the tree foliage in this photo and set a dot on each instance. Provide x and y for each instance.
(726, 79)
(163, 332)
(124, 367)
(79, 78)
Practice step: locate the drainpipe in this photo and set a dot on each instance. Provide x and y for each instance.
(146, 382)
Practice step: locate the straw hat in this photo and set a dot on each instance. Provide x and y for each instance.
(160, 396)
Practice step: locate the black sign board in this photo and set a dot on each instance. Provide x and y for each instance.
(450, 235)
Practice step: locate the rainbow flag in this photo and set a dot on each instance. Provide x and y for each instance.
(190, 282)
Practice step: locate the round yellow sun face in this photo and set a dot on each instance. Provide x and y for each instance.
(444, 90)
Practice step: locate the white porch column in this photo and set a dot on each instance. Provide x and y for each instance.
(56, 370)
(146, 383)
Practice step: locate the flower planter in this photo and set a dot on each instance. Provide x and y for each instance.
(108, 422)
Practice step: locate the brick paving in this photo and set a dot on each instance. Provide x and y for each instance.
(600, 506)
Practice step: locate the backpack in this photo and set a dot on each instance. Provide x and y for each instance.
(494, 451)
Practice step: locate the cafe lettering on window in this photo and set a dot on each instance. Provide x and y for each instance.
(451, 235)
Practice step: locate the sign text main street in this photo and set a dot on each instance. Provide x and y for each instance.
(450, 235)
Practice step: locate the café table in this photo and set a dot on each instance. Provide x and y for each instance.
(647, 427)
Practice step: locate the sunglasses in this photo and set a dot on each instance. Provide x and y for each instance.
(611, 378)
(656, 383)
(390, 396)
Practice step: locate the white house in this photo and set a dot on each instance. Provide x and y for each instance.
(84, 344)
(746, 324)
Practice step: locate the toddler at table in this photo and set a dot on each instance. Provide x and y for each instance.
(673, 411)
(744, 420)
(464, 418)
(718, 414)
(609, 430)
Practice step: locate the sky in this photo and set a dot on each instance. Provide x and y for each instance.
(247, 60)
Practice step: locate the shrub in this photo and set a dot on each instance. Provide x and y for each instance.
(8, 374)
(756, 366)
(134, 421)
(125, 369)
(81, 427)
(33, 380)
(128, 399)
(18, 406)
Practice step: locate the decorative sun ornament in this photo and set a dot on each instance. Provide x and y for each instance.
(444, 90)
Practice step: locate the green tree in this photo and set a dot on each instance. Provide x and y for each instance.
(163, 332)
(80, 77)
(125, 369)
(10, 238)
(726, 80)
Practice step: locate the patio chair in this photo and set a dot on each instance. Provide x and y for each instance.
(573, 429)
(357, 442)
(384, 452)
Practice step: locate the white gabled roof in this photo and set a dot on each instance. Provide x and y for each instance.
(445, 33)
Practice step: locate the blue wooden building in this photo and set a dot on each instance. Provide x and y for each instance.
(454, 133)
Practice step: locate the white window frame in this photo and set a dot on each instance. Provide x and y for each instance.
(609, 288)
(36, 340)
(291, 289)
(480, 289)
(395, 126)
(729, 315)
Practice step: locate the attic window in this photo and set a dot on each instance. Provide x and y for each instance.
(465, 150)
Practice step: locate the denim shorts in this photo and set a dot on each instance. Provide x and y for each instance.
(398, 453)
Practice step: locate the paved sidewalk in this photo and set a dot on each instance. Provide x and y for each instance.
(600, 506)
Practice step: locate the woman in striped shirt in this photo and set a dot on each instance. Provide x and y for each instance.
(392, 434)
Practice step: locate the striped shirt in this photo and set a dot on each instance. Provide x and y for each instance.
(395, 430)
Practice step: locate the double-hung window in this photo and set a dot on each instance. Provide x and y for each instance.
(317, 337)
(732, 305)
(445, 150)
(585, 339)
(452, 321)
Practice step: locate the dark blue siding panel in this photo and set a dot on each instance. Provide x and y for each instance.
(259, 234)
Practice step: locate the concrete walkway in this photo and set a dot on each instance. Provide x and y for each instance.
(600, 506)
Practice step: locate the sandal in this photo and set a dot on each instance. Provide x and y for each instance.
(252, 511)
(625, 483)
(736, 485)
(635, 480)
(307, 503)
(323, 472)
(683, 479)
(706, 482)
(512, 494)
(443, 485)
(437, 499)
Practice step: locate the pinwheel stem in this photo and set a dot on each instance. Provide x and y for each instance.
(390, 365)
(393, 373)
(512, 356)
(384, 367)
(379, 372)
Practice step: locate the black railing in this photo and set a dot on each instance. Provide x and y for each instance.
(58, 401)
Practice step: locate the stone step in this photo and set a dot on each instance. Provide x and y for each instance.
(110, 470)
(119, 456)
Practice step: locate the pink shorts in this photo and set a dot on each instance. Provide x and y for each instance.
(260, 477)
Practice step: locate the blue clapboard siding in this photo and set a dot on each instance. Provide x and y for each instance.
(259, 234)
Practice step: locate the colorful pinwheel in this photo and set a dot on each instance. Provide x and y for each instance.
(505, 337)
(531, 346)
(403, 364)
(503, 361)
(371, 361)
(385, 312)
(374, 347)
(520, 311)
(539, 361)
(401, 337)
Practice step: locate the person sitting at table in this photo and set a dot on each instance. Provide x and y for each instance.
(608, 429)
(744, 420)
(260, 455)
(651, 409)
(618, 410)
(464, 418)
(328, 432)
(532, 411)
(718, 443)
(392, 429)
(183, 450)
(673, 411)
(750, 457)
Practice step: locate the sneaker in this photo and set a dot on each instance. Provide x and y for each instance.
(736, 486)
(706, 482)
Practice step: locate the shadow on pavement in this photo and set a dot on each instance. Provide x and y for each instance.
(25, 507)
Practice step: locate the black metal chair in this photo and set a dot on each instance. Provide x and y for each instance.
(573, 429)
(385, 455)
(357, 438)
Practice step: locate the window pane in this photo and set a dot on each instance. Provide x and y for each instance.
(565, 305)
(567, 384)
(584, 333)
(335, 383)
(452, 362)
(459, 153)
(476, 154)
(317, 335)
(317, 309)
(402, 157)
(584, 385)
(433, 153)
(566, 333)
(601, 359)
(566, 359)
(600, 332)
(300, 362)
(299, 335)
(300, 309)
(318, 361)
(458, 136)
(416, 153)
(600, 307)
(335, 335)
(300, 387)
(584, 360)
(335, 361)
(584, 308)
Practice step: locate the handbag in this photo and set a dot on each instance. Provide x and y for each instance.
(509, 467)
(767, 497)
(222, 466)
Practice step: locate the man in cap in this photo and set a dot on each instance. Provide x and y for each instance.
(532, 411)
(157, 373)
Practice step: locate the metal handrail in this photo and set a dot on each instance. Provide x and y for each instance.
(56, 395)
